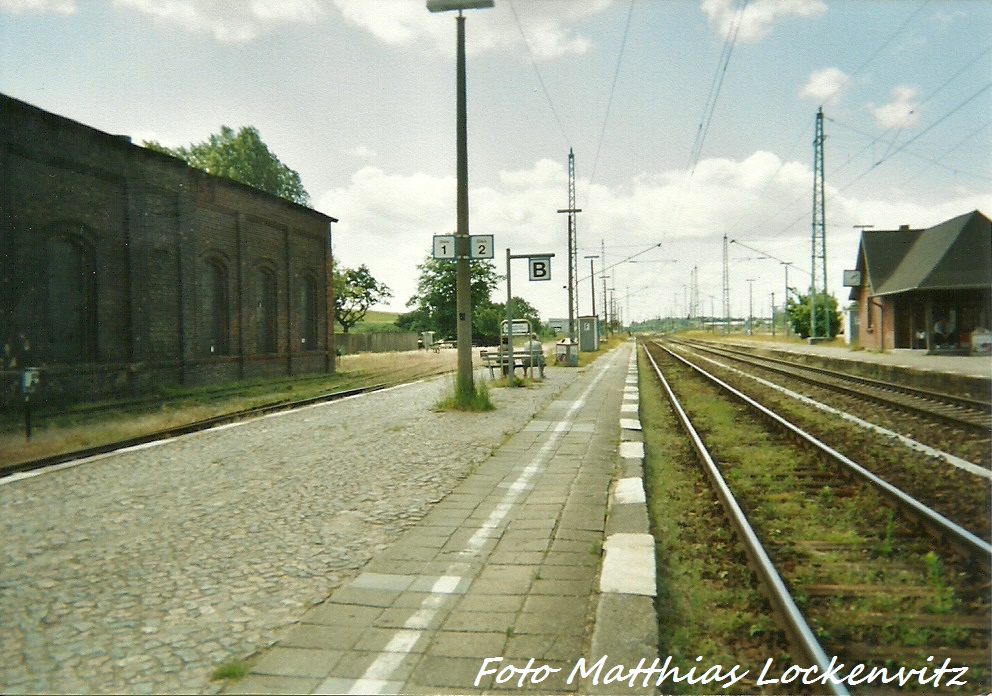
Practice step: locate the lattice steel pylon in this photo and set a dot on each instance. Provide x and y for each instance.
(726, 287)
(573, 291)
(818, 241)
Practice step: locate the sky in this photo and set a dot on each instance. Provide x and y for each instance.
(689, 120)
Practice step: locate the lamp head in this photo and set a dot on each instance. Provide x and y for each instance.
(450, 5)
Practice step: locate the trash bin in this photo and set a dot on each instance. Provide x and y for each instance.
(567, 353)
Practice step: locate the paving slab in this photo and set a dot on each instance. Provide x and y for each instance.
(515, 553)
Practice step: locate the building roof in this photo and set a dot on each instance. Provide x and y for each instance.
(954, 255)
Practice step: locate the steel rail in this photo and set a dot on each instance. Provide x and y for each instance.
(800, 634)
(964, 542)
(886, 394)
(979, 405)
(186, 429)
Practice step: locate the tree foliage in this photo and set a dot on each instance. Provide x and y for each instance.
(244, 157)
(826, 315)
(488, 318)
(355, 291)
(435, 302)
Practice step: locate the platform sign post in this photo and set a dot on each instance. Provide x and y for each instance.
(540, 269)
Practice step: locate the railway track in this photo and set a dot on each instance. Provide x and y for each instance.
(275, 395)
(185, 429)
(970, 414)
(847, 576)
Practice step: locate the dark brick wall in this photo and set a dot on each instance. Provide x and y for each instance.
(146, 224)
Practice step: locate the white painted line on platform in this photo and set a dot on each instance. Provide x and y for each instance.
(376, 679)
(629, 491)
(630, 423)
(628, 565)
(628, 408)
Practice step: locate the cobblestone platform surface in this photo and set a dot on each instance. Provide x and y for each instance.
(142, 571)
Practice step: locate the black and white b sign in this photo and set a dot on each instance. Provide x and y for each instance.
(540, 267)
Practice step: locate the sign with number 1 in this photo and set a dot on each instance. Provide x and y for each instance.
(444, 246)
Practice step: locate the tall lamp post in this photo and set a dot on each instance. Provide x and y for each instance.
(750, 306)
(592, 282)
(463, 287)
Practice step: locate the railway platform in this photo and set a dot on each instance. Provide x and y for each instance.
(513, 581)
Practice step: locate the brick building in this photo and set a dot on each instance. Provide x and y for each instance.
(924, 288)
(123, 269)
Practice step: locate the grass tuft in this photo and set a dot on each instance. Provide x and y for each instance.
(232, 670)
(475, 401)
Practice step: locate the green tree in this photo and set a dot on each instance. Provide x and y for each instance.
(489, 317)
(434, 303)
(798, 312)
(355, 290)
(241, 156)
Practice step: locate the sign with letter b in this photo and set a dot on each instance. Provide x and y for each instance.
(539, 267)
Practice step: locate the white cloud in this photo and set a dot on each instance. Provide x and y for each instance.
(825, 86)
(387, 221)
(546, 25)
(759, 15)
(62, 7)
(394, 22)
(229, 21)
(363, 153)
(900, 112)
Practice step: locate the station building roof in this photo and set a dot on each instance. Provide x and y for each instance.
(953, 255)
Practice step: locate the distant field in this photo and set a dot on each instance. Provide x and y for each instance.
(373, 322)
(372, 317)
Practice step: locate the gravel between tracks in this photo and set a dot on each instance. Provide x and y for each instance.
(143, 571)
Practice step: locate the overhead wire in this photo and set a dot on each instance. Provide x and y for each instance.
(537, 72)
(881, 46)
(857, 71)
(891, 144)
(890, 152)
(711, 99)
(916, 137)
(948, 151)
(609, 103)
(900, 149)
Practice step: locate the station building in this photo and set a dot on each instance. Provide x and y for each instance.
(927, 289)
(123, 270)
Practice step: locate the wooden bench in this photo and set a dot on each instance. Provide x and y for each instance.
(523, 359)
